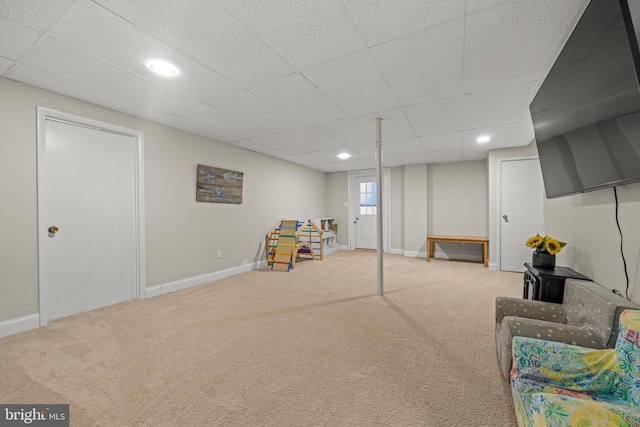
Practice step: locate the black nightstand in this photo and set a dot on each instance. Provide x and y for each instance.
(547, 284)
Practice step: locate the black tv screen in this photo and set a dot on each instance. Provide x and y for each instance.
(586, 114)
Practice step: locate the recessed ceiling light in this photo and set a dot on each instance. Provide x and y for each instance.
(163, 68)
(344, 156)
(483, 138)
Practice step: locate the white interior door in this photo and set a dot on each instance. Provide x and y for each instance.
(87, 190)
(366, 214)
(522, 198)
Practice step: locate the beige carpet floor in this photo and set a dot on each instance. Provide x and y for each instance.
(312, 347)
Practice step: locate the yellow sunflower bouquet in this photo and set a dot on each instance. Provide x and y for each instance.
(545, 245)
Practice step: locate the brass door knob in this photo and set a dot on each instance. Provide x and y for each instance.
(53, 229)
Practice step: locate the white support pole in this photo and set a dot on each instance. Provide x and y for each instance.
(379, 203)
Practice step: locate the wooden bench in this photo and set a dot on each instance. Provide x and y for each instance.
(458, 239)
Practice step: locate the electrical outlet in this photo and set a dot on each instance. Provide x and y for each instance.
(219, 253)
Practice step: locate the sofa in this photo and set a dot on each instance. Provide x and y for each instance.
(587, 317)
(556, 384)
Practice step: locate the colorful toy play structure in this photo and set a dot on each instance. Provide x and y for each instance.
(290, 240)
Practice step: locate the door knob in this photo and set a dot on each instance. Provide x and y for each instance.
(505, 217)
(53, 229)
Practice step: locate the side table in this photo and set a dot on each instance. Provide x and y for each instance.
(547, 284)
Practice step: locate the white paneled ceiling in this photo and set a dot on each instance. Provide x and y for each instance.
(302, 80)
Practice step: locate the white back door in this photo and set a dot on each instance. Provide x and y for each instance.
(366, 212)
(522, 196)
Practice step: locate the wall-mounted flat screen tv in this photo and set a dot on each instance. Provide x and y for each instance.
(586, 114)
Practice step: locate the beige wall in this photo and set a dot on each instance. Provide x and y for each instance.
(336, 201)
(457, 198)
(182, 236)
(396, 210)
(593, 240)
(415, 210)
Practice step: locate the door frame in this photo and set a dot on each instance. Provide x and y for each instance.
(44, 114)
(351, 191)
(498, 219)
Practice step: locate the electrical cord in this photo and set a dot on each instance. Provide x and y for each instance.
(624, 261)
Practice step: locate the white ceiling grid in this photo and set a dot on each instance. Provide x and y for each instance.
(302, 80)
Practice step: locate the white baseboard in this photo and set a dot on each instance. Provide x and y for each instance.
(415, 254)
(493, 266)
(19, 324)
(189, 282)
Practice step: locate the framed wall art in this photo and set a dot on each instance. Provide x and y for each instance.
(217, 185)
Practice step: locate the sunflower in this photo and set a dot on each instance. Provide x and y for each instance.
(552, 246)
(545, 245)
(534, 241)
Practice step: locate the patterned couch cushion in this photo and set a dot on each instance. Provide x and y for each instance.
(588, 304)
(555, 384)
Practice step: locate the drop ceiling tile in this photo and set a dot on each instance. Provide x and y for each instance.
(35, 14)
(435, 117)
(298, 97)
(305, 33)
(475, 5)
(104, 35)
(445, 141)
(497, 106)
(446, 156)
(382, 20)
(331, 167)
(520, 135)
(212, 117)
(367, 151)
(469, 154)
(392, 161)
(297, 141)
(196, 128)
(403, 146)
(384, 115)
(392, 129)
(16, 39)
(5, 64)
(247, 144)
(258, 111)
(56, 58)
(424, 66)
(318, 157)
(299, 159)
(522, 36)
(355, 83)
(208, 34)
(361, 164)
(346, 132)
(63, 86)
(499, 136)
(415, 159)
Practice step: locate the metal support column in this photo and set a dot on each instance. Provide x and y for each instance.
(379, 203)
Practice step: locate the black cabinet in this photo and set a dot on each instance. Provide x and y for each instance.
(547, 284)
